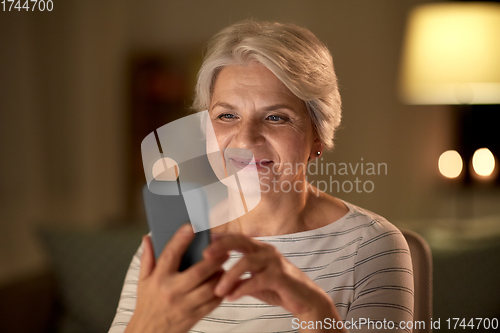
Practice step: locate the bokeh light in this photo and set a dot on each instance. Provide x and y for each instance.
(483, 162)
(450, 164)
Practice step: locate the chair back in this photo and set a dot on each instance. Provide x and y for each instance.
(422, 278)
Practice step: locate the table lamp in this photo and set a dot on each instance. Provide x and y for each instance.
(451, 55)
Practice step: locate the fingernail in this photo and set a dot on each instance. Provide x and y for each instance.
(211, 253)
(219, 290)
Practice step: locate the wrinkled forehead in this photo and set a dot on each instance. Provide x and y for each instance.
(240, 85)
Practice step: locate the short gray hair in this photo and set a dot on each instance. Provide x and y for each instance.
(292, 53)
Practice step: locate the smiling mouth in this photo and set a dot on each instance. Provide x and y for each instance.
(246, 163)
(255, 163)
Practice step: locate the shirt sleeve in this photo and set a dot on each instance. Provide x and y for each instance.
(383, 282)
(126, 304)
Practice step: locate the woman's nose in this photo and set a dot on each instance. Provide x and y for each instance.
(249, 134)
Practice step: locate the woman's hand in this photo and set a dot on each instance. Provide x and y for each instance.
(172, 301)
(274, 280)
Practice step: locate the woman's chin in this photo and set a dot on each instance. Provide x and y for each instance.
(250, 187)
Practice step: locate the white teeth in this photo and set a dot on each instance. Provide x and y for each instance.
(254, 163)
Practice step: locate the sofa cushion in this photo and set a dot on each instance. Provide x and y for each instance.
(90, 268)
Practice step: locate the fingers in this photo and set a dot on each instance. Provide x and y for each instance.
(206, 308)
(170, 259)
(147, 258)
(205, 292)
(250, 287)
(257, 257)
(230, 242)
(200, 272)
(250, 263)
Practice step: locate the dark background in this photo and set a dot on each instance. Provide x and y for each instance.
(82, 85)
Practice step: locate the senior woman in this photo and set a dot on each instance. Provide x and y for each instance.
(315, 263)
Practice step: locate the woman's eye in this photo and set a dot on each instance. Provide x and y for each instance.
(226, 117)
(276, 119)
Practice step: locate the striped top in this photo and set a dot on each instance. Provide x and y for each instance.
(361, 261)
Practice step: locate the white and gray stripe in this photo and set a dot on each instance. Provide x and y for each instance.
(361, 261)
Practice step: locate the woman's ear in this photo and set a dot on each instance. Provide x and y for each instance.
(316, 149)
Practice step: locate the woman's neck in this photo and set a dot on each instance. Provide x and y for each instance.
(276, 214)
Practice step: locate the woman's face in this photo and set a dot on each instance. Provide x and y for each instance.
(252, 109)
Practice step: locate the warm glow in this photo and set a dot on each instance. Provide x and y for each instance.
(451, 54)
(450, 164)
(483, 162)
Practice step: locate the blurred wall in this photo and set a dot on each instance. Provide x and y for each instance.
(62, 117)
(63, 107)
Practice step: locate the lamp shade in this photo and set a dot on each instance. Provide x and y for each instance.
(451, 54)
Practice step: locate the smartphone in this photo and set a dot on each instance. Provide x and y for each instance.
(167, 213)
